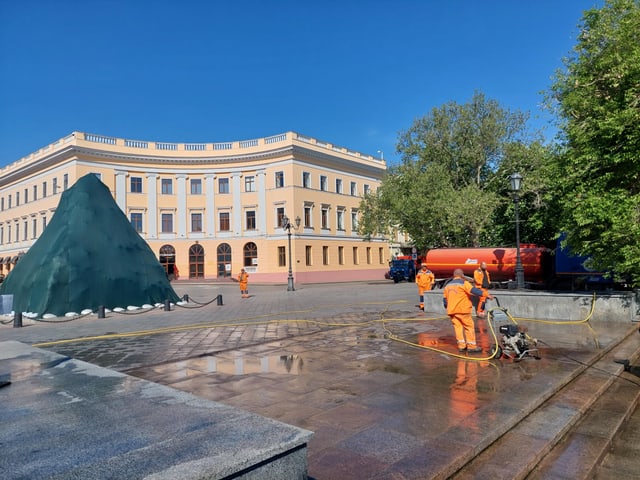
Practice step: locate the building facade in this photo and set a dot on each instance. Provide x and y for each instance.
(209, 209)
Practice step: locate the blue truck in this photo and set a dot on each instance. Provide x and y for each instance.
(402, 269)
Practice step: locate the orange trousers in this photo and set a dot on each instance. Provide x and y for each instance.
(464, 329)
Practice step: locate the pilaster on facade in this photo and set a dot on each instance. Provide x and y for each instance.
(152, 205)
(121, 189)
(181, 212)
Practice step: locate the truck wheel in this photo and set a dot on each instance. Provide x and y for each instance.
(396, 279)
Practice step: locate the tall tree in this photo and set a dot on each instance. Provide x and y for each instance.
(439, 193)
(597, 99)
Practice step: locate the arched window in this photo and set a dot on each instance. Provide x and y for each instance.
(224, 260)
(250, 254)
(196, 261)
(168, 259)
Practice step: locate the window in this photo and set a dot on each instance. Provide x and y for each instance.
(136, 221)
(340, 220)
(26, 229)
(369, 255)
(35, 192)
(341, 255)
(8, 233)
(338, 185)
(325, 255)
(136, 184)
(250, 254)
(9, 201)
(250, 184)
(223, 185)
(34, 224)
(196, 186)
(381, 255)
(44, 223)
(354, 189)
(26, 195)
(65, 181)
(196, 222)
(17, 199)
(307, 217)
(279, 179)
(307, 255)
(224, 222)
(354, 220)
(55, 186)
(366, 188)
(44, 189)
(1, 235)
(17, 232)
(355, 255)
(167, 186)
(306, 179)
(282, 257)
(2, 204)
(250, 219)
(279, 216)
(167, 222)
(324, 218)
(323, 183)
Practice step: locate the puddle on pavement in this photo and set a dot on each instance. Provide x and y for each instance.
(241, 365)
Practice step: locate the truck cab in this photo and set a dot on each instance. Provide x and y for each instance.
(402, 269)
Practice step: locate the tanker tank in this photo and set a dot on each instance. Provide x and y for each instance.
(501, 262)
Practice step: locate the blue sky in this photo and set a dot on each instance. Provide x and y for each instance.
(351, 72)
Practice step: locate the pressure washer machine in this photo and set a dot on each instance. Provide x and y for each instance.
(513, 341)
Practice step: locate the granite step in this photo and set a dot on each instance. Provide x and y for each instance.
(529, 450)
(622, 462)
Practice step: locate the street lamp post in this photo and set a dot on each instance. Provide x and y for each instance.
(516, 182)
(286, 225)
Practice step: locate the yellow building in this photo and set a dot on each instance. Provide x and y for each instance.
(210, 209)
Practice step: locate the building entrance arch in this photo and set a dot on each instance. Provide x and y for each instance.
(196, 261)
(168, 261)
(224, 260)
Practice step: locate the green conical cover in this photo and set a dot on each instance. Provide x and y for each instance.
(88, 256)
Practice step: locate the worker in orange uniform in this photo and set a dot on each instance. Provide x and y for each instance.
(457, 300)
(483, 282)
(425, 280)
(243, 278)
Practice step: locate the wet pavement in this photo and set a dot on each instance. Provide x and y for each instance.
(379, 382)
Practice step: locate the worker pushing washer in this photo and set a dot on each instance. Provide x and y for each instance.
(457, 300)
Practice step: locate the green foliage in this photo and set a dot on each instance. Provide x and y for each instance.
(598, 103)
(451, 186)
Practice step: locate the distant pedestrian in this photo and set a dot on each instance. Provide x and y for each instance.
(424, 280)
(483, 282)
(243, 278)
(457, 300)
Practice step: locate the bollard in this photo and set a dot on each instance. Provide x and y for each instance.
(167, 305)
(17, 320)
(101, 311)
(185, 298)
(219, 299)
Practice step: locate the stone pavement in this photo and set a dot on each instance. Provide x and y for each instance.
(378, 381)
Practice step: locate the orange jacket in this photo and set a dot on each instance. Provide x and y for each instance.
(457, 296)
(425, 278)
(479, 277)
(243, 278)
